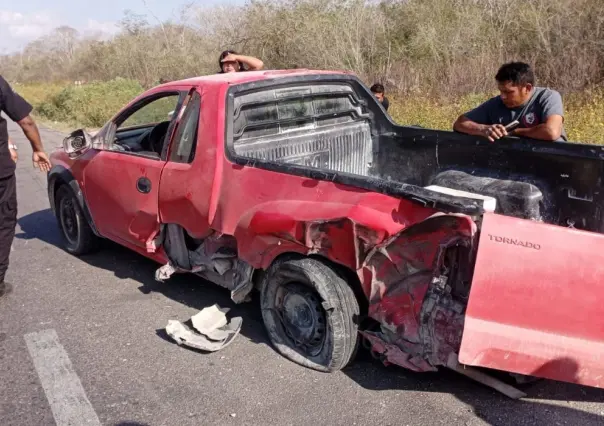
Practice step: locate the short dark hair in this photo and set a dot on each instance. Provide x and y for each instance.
(377, 88)
(519, 73)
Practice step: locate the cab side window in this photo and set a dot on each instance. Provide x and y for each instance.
(185, 139)
(152, 113)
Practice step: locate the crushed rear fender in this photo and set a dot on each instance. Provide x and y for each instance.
(419, 282)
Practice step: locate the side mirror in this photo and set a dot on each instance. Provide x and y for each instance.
(77, 143)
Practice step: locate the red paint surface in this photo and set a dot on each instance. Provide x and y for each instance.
(117, 207)
(537, 311)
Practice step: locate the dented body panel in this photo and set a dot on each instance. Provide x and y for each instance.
(307, 162)
(412, 297)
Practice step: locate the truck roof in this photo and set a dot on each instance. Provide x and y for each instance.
(249, 76)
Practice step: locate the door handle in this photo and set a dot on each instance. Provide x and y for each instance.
(143, 185)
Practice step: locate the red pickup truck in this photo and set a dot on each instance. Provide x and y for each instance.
(434, 248)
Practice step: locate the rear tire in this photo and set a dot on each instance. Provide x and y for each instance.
(310, 313)
(77, 234)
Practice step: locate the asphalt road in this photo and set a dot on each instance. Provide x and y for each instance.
(108, 314)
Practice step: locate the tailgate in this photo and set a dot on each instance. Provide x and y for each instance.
(536, 306)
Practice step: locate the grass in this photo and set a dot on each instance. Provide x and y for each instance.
(64, 107)
(68, 106)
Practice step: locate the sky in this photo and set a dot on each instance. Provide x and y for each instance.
(22, 21)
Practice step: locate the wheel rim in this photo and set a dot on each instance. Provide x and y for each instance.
(69, 220)
(302, 317)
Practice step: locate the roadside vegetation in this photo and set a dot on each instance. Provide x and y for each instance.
(437, 58)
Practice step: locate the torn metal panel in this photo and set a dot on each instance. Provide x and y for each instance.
(417, 293)
(342, 240)
(213, 258)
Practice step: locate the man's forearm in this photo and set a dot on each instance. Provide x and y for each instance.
(464, 125)
(250, 61)
(30, 129)
(541, 131)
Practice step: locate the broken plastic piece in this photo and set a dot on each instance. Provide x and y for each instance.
(183, 335)
(153, 241)
(164, 272)
(488, 203)
(211, 322)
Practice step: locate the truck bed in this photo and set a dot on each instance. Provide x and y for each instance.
(553, 182)
(329, 130)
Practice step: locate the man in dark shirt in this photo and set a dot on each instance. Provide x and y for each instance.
(18, 110)
(378, 92)
(538, 110)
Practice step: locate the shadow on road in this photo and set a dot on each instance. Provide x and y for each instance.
(196, 293)
(487, 404)
(131, 424)
(40, 225)
(188, 289)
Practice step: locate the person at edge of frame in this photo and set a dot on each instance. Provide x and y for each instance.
(18, 110)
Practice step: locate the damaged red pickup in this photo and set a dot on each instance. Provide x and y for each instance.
(436, 249)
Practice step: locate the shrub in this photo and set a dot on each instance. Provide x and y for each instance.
(89, 105)
(93, 104)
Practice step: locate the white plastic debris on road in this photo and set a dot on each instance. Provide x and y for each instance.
(214, 330)
(164, 272)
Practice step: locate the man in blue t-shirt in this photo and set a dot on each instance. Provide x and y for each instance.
(538, 110)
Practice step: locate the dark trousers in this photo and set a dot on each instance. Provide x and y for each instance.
(8, 220)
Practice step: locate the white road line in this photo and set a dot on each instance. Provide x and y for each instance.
(64, 391)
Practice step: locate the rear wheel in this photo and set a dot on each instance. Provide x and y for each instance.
(310, 313)
(77, 234)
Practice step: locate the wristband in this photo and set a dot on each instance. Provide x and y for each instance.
(13, 146)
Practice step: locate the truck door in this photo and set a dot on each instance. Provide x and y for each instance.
(184, 192)
(122, 185)
(536, 305)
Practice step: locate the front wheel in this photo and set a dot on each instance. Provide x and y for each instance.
(77, 234)
(310, 313)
